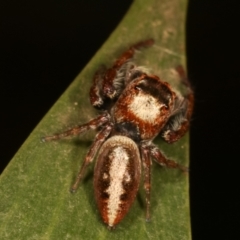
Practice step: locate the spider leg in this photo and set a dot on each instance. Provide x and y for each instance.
(92, 124)
(99, 139)
(163, 161)
(108, 81)
(130, 52)
(179, 122)
(96, 95)
(190, 96)
(145, 153)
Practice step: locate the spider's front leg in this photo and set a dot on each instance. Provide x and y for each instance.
(130, 52)
(108, 83)
(96, 94)
(113, 78)
(92, 124)
(178, 123)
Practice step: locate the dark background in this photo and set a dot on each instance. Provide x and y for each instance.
(45, 44)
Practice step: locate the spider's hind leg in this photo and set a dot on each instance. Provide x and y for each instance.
(99, 139)
(163, 161)
(146, 161)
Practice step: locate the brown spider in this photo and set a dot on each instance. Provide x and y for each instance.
(136, 108)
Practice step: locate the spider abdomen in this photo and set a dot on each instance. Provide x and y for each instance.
(116, 178)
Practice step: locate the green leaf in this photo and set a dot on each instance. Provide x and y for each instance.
(34, 188)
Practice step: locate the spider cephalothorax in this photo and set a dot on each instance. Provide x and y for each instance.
(136, 107)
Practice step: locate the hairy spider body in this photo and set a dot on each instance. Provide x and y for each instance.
(137, 106)
(143, 105)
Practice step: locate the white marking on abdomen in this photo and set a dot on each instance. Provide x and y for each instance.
(145, 107)
(118, 167)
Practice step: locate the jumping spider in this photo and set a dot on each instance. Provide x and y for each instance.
(136, 107)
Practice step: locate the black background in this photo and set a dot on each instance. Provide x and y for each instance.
(45, 44)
